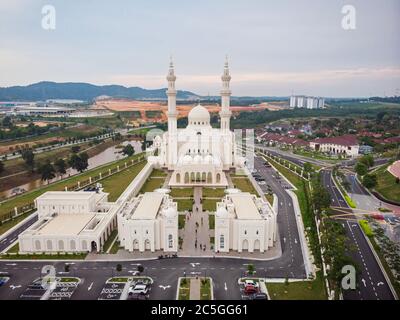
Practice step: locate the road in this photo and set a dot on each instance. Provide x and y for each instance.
(5, 242)
(371, 283)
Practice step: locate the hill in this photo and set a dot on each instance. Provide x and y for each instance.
(45, 90)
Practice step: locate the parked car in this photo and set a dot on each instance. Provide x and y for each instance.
(250, 289)
(138, 289)
(259, 296)
(251, 282)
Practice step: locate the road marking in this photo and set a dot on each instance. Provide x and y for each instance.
(15, 287)
(194, 264)
(90, 286)
(11, 264)
(363, 281)
(164, 287)
(379, 284)
(225, 287)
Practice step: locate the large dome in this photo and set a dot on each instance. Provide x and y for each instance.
(199, 116)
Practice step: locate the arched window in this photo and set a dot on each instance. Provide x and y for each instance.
(49, 245)
(60, 245)
(72, 245)
(178, 178)
(84, 245)
(38, 246)
(170, 241)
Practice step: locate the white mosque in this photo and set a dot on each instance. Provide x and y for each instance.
(198, 155)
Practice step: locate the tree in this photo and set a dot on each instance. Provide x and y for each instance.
(308, 167)
(60, 166)
(1, 166)
(47, 171)
(29, 158)
(75, 149)
(119, 267)
(370, 181)
(128, 150)
(140, 268)
(79, 162)
(7, 122)
(361, 169)
(368, 160)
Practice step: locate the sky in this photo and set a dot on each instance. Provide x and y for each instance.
(275, 48)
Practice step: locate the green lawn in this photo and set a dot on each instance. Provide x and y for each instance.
(119, 279)
(303, 290)
(213, 192)
(211, 221)
(14, 248)
(116, 184)
(205, 289)
(244, 184)
(210, 204)
(270, 198)
(366, 228)
(29, 197)
(184, 289)
(181, 192)
(116, 246)
(158, 173)
(184, 204)
(110, 240)
(61, 256)
(181, 221)
(387, 185)
(68, 279)
(152, 184)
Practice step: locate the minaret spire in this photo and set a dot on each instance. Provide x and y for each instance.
(172, 115)
(225, 113)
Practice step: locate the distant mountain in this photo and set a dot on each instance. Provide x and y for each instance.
(45, 90)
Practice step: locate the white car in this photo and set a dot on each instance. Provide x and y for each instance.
(251, 283)
(139, 289)
(261, 183)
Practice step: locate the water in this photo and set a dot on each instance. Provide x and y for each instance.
(109, 155)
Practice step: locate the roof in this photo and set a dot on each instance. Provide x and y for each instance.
(244, 206)
(66, 195)
(148, 206)
(65, 224)
(346, 140)
(199, 113)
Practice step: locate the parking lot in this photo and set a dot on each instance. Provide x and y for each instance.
(112, 291)
(34, 291)
(262, 171)
(63, 291)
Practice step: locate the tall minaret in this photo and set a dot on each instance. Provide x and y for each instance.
(225, 113)
(172, 116)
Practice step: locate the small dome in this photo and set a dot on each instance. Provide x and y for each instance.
(197, 159)
(187, 159)
(170, 212)
(208, 159)
(199, 116)
(222, 212)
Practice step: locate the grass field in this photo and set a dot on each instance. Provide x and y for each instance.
(366, 228)
(184, 204)
(205, 289)
(302, 290)
(244, 184)
(387, 185)
(28, 197)
(211, 222)
(270, 198)
(181, 221)
(152, 184)
(210, 204)
(110, 240)
(184, 289)
(213, 192)
(117, 183)
(181, 192)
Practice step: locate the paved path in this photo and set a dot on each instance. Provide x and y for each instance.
(196, 234)
(194, 289)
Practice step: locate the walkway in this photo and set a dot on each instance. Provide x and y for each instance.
(196, 233)
(194, 289)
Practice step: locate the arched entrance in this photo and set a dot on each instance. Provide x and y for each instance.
(187, 177)
(257, 244)
(245, 245)
(178, 178)
(93, 246)
(135, 244)
(147, 245)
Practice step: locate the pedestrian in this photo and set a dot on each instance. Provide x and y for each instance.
(200, 246)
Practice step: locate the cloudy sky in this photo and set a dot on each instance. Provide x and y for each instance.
(274, 47)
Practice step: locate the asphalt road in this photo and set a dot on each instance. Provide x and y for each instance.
(371, 283)
(5, 242)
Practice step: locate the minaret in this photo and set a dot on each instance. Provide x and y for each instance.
(225, 113)
(172, 117)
